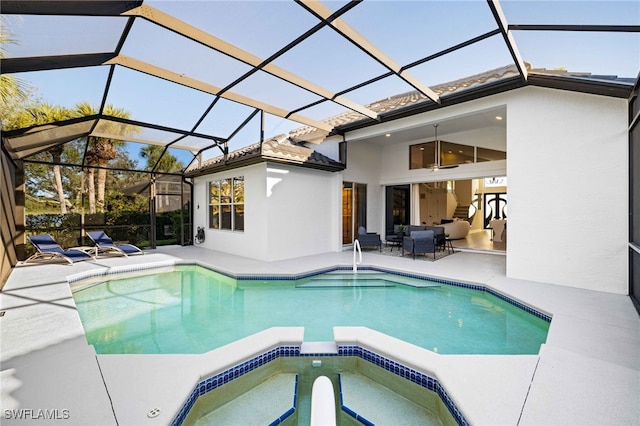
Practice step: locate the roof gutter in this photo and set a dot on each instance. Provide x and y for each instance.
(446, 100)
(574, 84)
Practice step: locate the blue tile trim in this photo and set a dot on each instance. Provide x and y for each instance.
(251, 277)
(348, 410)
(214, 382)
(407, 373)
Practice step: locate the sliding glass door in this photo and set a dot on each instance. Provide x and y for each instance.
(397, 206)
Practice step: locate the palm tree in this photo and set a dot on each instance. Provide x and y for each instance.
(39, 114)
(50, 113)
(166, 163)
(15, 94)
(11, 88)
(102, 150)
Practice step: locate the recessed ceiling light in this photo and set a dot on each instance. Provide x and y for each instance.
(498, 117)
(388, 135)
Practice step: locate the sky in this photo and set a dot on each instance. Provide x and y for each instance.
(405, 30)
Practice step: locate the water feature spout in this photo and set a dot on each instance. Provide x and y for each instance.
(323, 403)
(356, 248)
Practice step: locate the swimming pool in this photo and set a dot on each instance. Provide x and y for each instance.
(194, 310)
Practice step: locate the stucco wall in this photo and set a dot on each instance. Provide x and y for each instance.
(289, 212)
(303, 211)
(568, 189)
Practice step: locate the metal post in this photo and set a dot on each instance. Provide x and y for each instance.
(261, 127)
(152, 212)
(181, 211)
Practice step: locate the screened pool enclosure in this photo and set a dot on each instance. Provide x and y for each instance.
(140, 93)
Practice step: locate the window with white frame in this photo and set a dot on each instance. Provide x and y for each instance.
(226, 204)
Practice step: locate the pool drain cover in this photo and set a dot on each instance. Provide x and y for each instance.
(153, 413)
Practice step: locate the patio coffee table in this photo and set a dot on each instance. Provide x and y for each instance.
(394, 240)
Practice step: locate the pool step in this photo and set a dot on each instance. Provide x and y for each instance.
(325, 282)
(271, 402)
(364, 279)
(372, 403)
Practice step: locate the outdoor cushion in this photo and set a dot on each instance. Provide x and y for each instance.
(49, 249)
(106, 245)
(422, 234)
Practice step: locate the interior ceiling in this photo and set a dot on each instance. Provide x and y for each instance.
(204, 77)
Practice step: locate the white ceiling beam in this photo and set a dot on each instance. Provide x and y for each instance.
(347, 31)
(167, 21)
(155, 71)
(501, 20)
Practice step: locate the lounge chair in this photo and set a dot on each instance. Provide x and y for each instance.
(48, 249)
(369, 239)
(106, 245)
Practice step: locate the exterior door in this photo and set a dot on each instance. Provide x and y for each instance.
(398, 206)
(347, 213)
(354, 210)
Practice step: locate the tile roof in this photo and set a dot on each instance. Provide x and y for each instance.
(285, 148)
(278, 149)
(411, 98)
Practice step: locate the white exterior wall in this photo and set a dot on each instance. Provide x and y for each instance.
(303, 212)
(289, 212)
(568, 186)
(568, 189)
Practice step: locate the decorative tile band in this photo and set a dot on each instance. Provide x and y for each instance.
(211, 383)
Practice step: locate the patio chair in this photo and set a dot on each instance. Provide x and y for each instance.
(419, 242)
(106, 245)
(369, 239)
(48, 249)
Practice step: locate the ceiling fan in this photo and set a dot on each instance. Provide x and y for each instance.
(436, 166)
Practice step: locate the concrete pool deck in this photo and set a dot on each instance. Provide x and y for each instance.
(588, 372)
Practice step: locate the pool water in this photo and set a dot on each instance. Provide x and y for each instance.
(195, 310)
